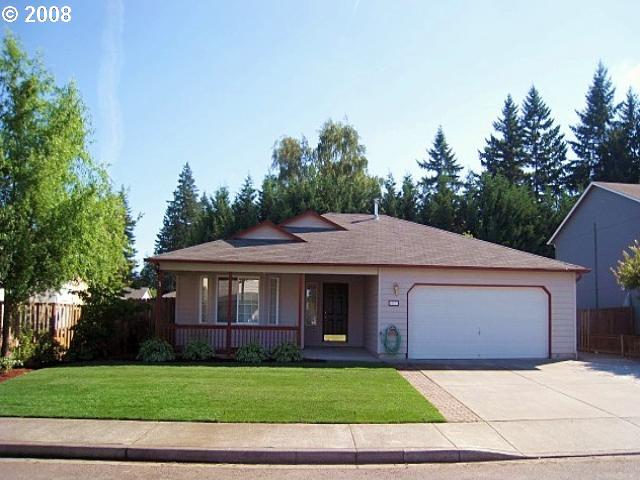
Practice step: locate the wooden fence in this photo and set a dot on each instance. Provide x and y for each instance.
(607, 330)
(59, 320)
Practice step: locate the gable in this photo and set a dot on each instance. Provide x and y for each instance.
(598, 203)
(310, 220)
(266, 231)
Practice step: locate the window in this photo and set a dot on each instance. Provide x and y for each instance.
(204, 299)
(245, 300)
(311, 305)
(274, 300)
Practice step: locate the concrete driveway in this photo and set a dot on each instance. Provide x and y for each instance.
(590, 405)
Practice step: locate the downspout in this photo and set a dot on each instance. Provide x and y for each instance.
(595, 262)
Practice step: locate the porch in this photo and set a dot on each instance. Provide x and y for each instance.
(311, 310)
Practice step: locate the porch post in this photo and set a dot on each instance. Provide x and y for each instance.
(229, 293)
(300, 307)
(158, 309)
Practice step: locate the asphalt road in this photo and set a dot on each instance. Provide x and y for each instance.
(611, 468)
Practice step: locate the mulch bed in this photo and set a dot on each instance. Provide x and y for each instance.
(16, 372)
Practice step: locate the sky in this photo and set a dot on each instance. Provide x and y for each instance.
(216, 83)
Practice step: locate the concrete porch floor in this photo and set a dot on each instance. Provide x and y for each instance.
(338, 354)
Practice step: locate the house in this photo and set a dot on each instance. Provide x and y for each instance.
(69, 294)
(604, 222)
(337, 280)
(142, 293)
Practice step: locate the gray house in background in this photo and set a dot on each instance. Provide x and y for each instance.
(603, 223)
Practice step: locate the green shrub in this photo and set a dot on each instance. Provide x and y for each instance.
(198, 350)
(109, 326)
(286, 352)
(36, 349)
(155, 350)
(9, 363)
(251, 353)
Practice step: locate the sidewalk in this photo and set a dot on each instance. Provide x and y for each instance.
(312, 444)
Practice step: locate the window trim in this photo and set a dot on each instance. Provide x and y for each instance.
(236, 278)
(277, 322)
(315, 285)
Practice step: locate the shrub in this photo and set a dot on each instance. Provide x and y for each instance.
(9, 363)
(198, 350)
(251, 353)
(36, 349)
(109, 326)
(286, 352)
(155, 350)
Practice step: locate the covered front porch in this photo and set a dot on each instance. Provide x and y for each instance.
(313, 310)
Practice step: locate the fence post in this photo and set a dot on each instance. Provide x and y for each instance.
(52, 321)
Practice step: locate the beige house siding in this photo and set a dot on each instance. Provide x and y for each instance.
(188, 297)
(561, 285)
(371, 337)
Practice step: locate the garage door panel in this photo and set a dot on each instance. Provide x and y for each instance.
(477, 322)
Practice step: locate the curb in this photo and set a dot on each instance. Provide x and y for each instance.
(253, 456)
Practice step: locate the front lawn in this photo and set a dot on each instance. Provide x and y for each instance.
(314, 393)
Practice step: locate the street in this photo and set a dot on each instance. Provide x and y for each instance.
(611, 468)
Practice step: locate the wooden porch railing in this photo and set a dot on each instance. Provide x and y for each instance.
(216, 335)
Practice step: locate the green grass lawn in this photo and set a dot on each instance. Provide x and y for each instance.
(313, 393)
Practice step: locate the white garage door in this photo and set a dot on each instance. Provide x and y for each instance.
(477, 322)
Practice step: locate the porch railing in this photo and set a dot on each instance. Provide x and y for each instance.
(224, 338)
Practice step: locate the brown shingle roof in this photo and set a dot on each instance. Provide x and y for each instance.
(366, 241)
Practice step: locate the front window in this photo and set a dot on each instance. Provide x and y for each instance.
(274, 300)
(311, 305)
(245, 300)
(204, 299)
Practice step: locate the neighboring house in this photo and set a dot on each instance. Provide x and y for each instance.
(142, 293)
(171, 294)
(604, 222)
(338, 280)
(68, 294)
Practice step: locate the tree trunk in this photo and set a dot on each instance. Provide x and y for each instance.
(6, 327)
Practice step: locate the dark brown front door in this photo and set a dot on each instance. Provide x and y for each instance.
(335, 306)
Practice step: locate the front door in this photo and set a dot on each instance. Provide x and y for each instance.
(335, 307)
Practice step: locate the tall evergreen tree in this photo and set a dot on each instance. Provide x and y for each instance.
(502, 212)
(390, 203)
(441, 206)
(216, 220)
(245, 209)
(592, 131)
(129, 231)
(442, 163)
(621, 157)
(181, 215)
(409, 199)
(544, 147)
(503, 154)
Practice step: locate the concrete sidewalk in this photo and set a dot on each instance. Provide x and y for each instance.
(313, 444)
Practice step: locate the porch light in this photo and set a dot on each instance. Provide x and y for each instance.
(396, 289)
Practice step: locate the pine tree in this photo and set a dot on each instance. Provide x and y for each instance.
(245, 209)
(409, 199)
(502, 212)
(129, 231)
(181, 215)
(390, 203)
(592, 132)
(442, 163)
(503, 154)
(544, 146)
(441, 207)
(621, 156)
